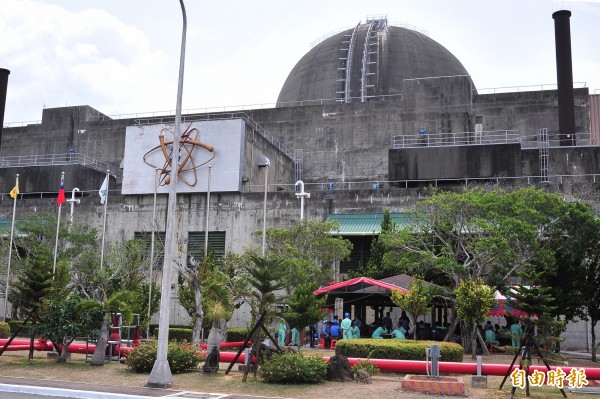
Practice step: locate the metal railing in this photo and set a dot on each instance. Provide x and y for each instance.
(455, 139)
(375, 185)
(491, 137)
(538, 87)
(221, 116)
(557, 140)
(24, 161)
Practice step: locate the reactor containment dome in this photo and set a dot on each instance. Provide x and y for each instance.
(369, 61)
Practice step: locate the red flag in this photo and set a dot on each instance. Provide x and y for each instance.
(61, 193)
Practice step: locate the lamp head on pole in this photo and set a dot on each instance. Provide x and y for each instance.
(263, 162)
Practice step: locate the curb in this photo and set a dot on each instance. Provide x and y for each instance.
(69, 393)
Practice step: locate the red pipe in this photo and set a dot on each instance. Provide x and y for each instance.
(228, 344)
(419, 366)
(399, 366)
(229, 356)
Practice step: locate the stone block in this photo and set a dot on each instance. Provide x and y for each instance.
(433, 385)
(479, 381)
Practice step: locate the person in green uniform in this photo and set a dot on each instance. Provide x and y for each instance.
(281, 330)
(355, 329)
(516, 331)
(399, 332)
(345, 326)
(378, 332)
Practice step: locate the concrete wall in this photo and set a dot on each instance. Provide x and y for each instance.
(431, 163)
(342, 143)
(526, 112)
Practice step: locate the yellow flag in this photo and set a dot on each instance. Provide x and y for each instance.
(15, 191)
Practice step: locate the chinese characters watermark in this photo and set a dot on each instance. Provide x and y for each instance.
(576, 378)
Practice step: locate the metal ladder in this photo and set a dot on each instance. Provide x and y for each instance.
(345, 68)
(543, 145)
(370, 58)
(298, 164)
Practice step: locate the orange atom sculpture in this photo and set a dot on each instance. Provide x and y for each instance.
(187, 164)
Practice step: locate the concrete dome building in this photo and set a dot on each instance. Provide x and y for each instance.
(371, 60)
(402, 116)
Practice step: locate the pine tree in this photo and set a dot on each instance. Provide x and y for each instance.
(537, 303)
(34, 285)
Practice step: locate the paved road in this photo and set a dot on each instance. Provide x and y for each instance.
(25, 388)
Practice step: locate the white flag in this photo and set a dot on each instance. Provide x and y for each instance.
(103, 192)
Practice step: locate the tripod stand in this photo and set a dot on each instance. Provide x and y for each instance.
(525, 352)
(255, 346)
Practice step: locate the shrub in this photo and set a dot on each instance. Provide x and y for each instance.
(293, 368)
(4, 330)
(366, 365)
(154, 328)
(396, 349)
(179, 334)
(181, 357)
(14, 324)
(237, 334)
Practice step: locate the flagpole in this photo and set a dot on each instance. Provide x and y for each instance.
(104, 224)
(62, 179)
(156, 181)
(207, 213)
(12, 233)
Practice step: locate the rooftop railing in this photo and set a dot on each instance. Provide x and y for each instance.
(24, 161)
(487, 137)
(220, 116)
(374, 185)
(518, 89)
(426, 139)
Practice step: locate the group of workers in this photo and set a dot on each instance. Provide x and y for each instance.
(334, 329)
(491, 334)
(350, 329)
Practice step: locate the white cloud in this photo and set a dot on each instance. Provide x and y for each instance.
(59, 57)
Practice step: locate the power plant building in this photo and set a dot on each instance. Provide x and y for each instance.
(369, 119)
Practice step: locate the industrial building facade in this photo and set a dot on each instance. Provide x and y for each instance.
(370, 119)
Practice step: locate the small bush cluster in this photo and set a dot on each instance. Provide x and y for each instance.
(367, 366)
(154, 329)
(4, 330)
(178, 334)
(181, 357)
(396, 349)
(237, 334)
(14, 324)
(293, 368)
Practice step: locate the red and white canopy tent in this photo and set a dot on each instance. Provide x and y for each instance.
(363, 292)
(503, 308)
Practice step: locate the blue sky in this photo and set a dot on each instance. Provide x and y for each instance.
(122, 57)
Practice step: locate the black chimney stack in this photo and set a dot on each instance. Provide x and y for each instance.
(3, 87)
(564, 74)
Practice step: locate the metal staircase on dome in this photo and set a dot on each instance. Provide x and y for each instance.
(365, 40)
(370, 64)
(344, 70)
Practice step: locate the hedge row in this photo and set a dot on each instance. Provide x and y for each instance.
(185, 334)
(396, 349)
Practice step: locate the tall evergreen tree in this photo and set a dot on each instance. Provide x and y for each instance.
(537, 303)
(303, 307)
(34, 286)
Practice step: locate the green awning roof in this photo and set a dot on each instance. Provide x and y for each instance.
(365, 224)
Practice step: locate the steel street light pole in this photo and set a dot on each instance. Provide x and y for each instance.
(160, 376)
(263, 162)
